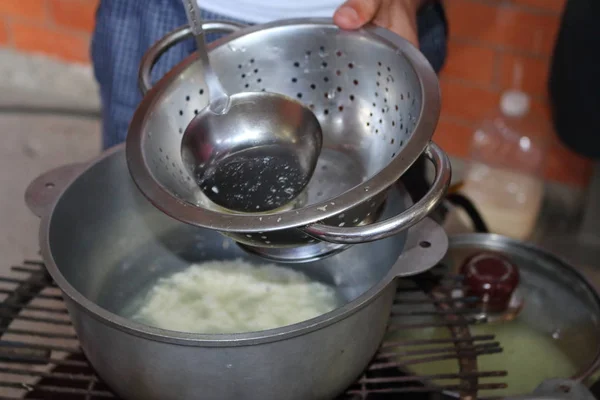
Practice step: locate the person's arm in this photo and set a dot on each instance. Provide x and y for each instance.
(399, 16)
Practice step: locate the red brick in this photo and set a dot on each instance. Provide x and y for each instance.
(75, 14)
(50, 41)
(467, 102)
(533, 73)
(470, 62)
(3, 33)
(28, 9)
(503, 25)
(453, 137)
(547, 5)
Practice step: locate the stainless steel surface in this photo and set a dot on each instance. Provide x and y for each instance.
(375, 95)
(257, 157)
(558, 389)
(248, 152)
(103, 242)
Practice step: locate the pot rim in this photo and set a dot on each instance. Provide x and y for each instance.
(240, 223)
(193, 339)
(495, 241)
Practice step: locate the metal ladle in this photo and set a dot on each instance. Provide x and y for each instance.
(251, 151)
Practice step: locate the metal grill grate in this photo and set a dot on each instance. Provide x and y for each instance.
(40, 357)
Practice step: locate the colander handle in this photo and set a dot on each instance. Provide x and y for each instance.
(172, 38)
(399, 223)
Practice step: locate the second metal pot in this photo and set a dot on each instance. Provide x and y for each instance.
(103, 242)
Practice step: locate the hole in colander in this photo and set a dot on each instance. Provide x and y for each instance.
(326, 79)
(240, 66)
(424, 244)
(294, 80)
(355, 82)
(259, 80)
(351, 97)
(201, 92)
(49, 185)
(180, 112)
(311, 106)
(187, 98)
(376, 131)
(368, 124)
(338, 53)
(339, 88)
(196, 112)
(160, 149)
(379, 63)
(246, 85)
(378, 73)
(308, 53)
(401, 96)
(376, 94)
(341, 108)
(338, 72)
(401, 126)
(313, 86)
(319, 194)
(393, 123)
(263, 90)
(180, 130)
(396, 107)
(325, 111)
(350, 65)
(252, 61)
(299, 95)
(380, 121)
(392, 141)
(256, 70)
(296, 64)
(243, 75)
(377, 83)
(393, 155)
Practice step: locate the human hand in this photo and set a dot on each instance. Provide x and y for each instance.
(399, 16)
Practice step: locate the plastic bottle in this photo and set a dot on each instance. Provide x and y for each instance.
(503, 177)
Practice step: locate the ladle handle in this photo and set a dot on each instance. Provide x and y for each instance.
(171, 39)
(402, 221)
(219, 99)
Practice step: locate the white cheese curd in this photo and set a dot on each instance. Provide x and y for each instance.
(232, 297)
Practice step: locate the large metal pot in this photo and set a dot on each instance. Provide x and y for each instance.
(103, 242)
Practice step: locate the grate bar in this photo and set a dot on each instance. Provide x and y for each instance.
(418, 342)
(48, 335)
(58, 389)
(39, 296)
(50, 375)
(21, 345)
(441, 350)
(394, 326)
(458, 354)
(52, 321)
(27, 307)
(4, 279)
(419, 378)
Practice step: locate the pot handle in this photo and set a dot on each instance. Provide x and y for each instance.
(399, 223)
(172, 38)
(44, 191)
(426, 245)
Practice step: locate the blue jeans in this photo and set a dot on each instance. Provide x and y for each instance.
(125, 29)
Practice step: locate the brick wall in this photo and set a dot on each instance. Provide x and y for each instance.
(488, 39)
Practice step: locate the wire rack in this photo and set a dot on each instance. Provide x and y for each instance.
(40, 357)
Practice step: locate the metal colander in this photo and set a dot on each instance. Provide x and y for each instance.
(376, 98)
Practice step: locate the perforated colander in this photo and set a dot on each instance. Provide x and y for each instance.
(375, 95)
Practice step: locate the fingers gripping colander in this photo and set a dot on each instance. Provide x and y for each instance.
(376, 98)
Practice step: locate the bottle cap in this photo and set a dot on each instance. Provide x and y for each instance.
(491, 277)
(514, 103)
